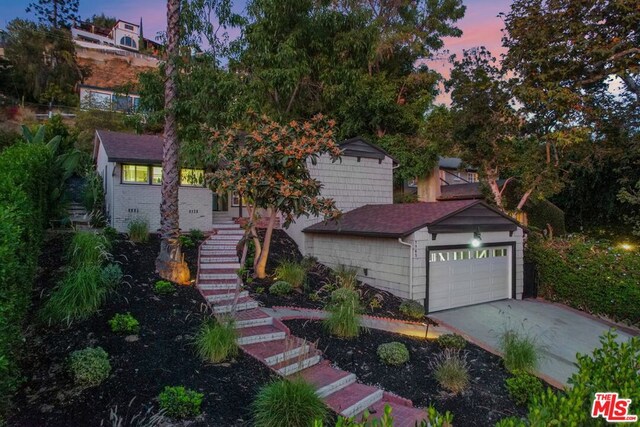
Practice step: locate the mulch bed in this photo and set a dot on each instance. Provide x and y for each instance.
(162, 355)
(484, 403)
(318, 289)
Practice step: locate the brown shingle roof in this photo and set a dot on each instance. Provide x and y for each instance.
(128, 147)
(396, 220)
(460, 191)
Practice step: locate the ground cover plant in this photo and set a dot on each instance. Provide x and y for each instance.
(164, 287)
(179, 402)
(280, 288)
(483, 403)
(520, 351)
(287, 402)
(412, 309)
(393, 353)
(344, 313)
(523, 387)
(138, 230)
(596, 276)
(451, 341)
(124, 324)
(216, 340)
(89, 366)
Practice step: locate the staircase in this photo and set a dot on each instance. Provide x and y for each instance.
(270, 341)
(78, 215)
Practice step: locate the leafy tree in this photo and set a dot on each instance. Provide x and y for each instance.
(103, 20)
(56, 13)
(268, 167)
(43, 63)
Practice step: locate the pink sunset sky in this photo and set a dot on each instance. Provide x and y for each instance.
(481, 25)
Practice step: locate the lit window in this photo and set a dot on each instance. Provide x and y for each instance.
(156, 175)
(192, 177)
(472, 177)
(482, 254)
(499, 252)
(235, 200)
(135, 174)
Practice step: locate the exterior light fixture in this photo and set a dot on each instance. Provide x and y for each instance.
(626, 246)
(477, 239)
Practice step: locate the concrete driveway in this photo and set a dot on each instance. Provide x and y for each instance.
(559, 331)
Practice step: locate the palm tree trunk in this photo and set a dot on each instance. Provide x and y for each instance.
(170, 262)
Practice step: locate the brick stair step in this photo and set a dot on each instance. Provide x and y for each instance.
(218, 252)
(326, 379)
(274, 352)
(217, 276)
(217, 295)
(229, 231)
(403, 416)
(353, 399)
(217, 269)
(219, 259)
(243, 304)
(255, 317)
(262, 333)
(290, 367)
(215, 284)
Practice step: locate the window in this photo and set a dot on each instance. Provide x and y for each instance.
(413, 183)
(128, 27)
(472, 177)
(135, 174)
(499, 252)
(128, 41)
(235, 200)
(192, 177)
(156, 175)
(465, 254)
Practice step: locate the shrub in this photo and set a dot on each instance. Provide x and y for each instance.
(451, 370)
(280, 288)
(196, 235)
(292, 403)
(589, 275)
(89, 366)
(111, 275)
(393, 353)
(344, 313)
(216, 340)
(291, 272)
(612, 367)
(347, 277)
(520, 352)
(124, 324)
(454, 341)
(412, 309)
(399, 197)
(80, 293)
(542, 212)
(185, 241)
(164, 287)
(87, 248)
(179, 402)
(138, 230)
(523, 386)
(111, 234)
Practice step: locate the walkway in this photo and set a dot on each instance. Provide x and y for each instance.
(267, 339)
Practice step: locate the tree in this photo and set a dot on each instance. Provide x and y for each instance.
(43, 65)
(104, 21)
(268, 167)
(56, 13)
(170, 263)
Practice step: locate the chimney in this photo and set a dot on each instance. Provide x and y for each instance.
(429, 185)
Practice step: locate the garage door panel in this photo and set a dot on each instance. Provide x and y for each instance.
(464, 277)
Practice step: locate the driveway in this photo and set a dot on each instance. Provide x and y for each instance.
(560, 332)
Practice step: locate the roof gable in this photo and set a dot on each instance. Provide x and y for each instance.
(360, 147)
(127, 147)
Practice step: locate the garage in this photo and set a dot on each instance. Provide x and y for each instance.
(444, 254)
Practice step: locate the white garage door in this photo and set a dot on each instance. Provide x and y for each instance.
(459, 277)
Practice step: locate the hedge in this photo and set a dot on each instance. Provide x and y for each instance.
(589, 275)
(24, 178)
(543, 212)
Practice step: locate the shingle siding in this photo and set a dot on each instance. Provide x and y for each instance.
(351, 183)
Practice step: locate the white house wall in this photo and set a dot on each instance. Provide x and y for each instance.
(422, 239)
(386, 260)
(351, 183)
(131, 201)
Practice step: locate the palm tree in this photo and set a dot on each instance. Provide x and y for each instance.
(170, 263)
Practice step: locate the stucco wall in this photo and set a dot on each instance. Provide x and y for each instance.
(386, 260)
(130, 201)
(351, 183)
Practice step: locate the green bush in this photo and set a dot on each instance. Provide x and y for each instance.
(216, 340)
(291, 272)
(25, 170)
(79, 295)
(124, 324)
(111, 234)
(164, 287)
(112, 275)
(543, 212)
(393, 353)
(523, 386)
(346, 276)
(344, 313)
(454, 341)
(186, 242)
(196, 235)
(520, 351)
(412, 309)
(612, 367)
(451, 370)
(90, 366)
(589, 275)
(179, 402)
(291, 403)
(280, 288)
(87, 248)
(138, 230)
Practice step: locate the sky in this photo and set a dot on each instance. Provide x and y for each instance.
(481, 25)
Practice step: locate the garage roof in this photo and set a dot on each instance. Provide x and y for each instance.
(400, 220)
(128, 147)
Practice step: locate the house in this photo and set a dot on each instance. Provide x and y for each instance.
(449, 179)
(123, 35)
(107, 99)
(444, 254)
